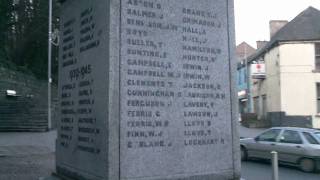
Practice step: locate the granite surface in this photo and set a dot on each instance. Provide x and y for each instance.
(147, 90)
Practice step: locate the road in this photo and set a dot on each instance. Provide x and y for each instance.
(257, 170)
(254, 170)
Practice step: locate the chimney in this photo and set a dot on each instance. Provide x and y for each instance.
(261, 44)
(275, 26)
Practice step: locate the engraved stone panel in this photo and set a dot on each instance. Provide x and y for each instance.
(175, 88)
(83, 89)
(147, 90)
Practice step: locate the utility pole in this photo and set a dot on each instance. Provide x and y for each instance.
(247, 79)
(49, 65)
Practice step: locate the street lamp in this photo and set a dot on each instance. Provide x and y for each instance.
(53, 39)
(49, 65)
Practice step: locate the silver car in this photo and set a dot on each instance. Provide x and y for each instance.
(295, 146)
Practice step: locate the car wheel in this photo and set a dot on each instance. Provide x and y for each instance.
(307, 165)
(244, 153)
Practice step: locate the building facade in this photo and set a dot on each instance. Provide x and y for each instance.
(289, 95)
(243, 51)
(243, 86)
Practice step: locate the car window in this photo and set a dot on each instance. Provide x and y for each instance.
(290, 136)
(270, 135)
(310, 138)
(317, 135)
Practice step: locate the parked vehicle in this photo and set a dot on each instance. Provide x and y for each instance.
(295, 146)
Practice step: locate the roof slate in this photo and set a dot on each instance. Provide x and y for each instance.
(304, 27)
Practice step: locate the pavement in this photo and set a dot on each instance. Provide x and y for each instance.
(249, 132)
(26, 155)
(30, 156)
(41, 139)
(28, 143)
(27, 167)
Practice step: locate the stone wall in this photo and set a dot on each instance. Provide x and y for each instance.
(283, 119)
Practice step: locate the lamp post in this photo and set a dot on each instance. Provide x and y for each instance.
(247, 79)
(49, 65)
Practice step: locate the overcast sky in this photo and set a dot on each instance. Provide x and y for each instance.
(253, 16)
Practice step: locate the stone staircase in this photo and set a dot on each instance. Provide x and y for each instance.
(22, 114)
(28, 110)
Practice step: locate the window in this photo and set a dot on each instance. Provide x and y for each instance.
(245, 75)
(318, 98)
(317, 46)
(239, 77)
(291, 137)
(256, 105)
(264, 106)
(317, 56)
(270, 135)
(317, 135)
(310, 138)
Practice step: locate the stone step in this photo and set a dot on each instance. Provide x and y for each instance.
(14, 151)
(24, 124)
(24, 129)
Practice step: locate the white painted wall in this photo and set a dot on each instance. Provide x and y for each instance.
(271, 85)
(298, 86)
(290, 82)
(298, 80)
(273, 80)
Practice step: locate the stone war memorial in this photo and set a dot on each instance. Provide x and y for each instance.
(147, 91)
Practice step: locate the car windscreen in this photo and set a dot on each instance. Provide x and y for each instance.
(317, 134)
(312, 139)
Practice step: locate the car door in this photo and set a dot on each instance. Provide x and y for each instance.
(263, 144)
(290, 147)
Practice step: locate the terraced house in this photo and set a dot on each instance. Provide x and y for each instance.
(289, 94)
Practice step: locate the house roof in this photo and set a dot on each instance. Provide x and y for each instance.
(304, 27)
(244, 50)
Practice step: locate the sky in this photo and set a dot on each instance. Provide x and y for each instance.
(252, 16)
